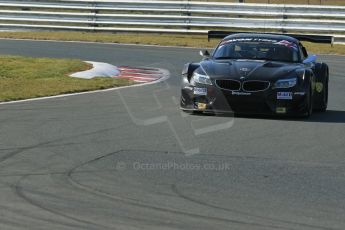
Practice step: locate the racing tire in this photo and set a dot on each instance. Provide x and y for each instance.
(309, 106)
(321, 87)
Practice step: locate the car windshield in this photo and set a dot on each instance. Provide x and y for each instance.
(258, 49)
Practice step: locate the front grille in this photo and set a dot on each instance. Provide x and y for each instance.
(253, 86)
(228, 84)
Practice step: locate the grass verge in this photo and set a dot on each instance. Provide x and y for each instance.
(150, 39)
(24, 77)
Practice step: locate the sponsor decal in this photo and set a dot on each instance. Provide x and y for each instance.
(241, 93)
(245, 72)
(299, 93)
(287, 44)
(284, 95)
(248, 40)
(319, 87)
(202, 106)
(200, 91)
(273, 41)
(245, 69)
(280, 110)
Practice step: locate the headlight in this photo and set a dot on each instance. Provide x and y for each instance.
(286, 83)
(202, 79)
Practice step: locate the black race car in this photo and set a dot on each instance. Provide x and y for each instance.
(255, 73)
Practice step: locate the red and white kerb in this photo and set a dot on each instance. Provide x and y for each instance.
(140, 75)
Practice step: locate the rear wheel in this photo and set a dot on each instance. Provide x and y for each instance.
(322, 99)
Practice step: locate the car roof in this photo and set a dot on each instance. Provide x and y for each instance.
(263, 36)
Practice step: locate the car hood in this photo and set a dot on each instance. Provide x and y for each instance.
(249, 69)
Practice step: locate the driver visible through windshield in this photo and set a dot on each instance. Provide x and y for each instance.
(258, 49)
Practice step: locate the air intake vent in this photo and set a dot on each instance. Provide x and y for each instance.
(228, 84)
(254, 86)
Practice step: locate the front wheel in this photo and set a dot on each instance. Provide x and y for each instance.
(323, 97)
(309, 104)
(321, 88)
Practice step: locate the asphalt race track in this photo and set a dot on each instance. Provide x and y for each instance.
(128, 159)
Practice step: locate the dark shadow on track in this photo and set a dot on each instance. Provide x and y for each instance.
(330, 116)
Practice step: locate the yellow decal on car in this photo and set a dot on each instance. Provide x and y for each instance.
(280, 110)
(201, 106)
(319, 87)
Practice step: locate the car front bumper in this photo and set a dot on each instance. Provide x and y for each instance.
(271, 101)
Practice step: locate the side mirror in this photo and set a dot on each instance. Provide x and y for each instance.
(310, 59)
(204, 53)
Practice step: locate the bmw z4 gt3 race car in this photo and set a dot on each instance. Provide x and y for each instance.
(253, 73)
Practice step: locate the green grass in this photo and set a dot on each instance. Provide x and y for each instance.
(133, 38)
(24, 77)
(150, 39)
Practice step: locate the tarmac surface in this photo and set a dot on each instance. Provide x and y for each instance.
(129, 159)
